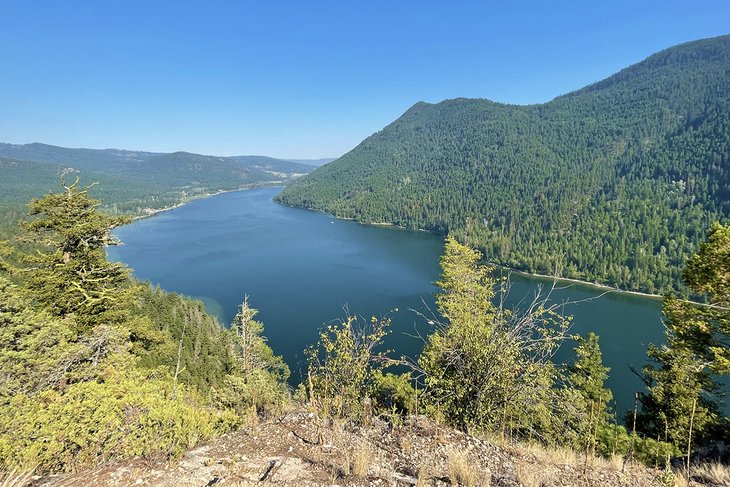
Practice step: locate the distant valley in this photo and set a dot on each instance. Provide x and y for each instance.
(132, 182)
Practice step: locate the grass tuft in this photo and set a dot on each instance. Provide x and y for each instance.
(14, 478)
(529, 475)
(714, 473)
(461, 472)
(362, 458)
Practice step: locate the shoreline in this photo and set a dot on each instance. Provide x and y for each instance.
(150, 212)
(595, 285)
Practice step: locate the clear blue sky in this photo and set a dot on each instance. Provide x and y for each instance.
(303, 79)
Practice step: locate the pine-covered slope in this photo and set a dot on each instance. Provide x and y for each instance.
(615, 183)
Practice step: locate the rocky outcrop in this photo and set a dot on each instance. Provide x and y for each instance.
(301, 449)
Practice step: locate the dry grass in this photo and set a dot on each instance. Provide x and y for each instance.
(406, 444)
(616, 462)
(228, 483)
(334, 459)
(423, 475)
(679, 479)
(251, 420)
(534, 469)
(15, 478)
(335, 475)
(716, 473)
(566, 456)
(461, 472)
(362, 458)
(530, 475)
(550, 456)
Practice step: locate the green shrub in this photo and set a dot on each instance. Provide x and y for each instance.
(125, 415)
(613, 439)
(394, 393)
(343, 364)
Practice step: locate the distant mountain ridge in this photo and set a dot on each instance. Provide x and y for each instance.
(125, 161)
(314, 162)
(616, 182)
(134, 182)
(39, 152)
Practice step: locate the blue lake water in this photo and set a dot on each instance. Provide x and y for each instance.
(302, 269)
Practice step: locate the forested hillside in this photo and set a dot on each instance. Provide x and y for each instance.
(615, 183)
(129, 182)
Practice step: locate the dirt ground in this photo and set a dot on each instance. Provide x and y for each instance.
(300, 449)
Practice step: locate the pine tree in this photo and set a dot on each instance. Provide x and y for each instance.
(706, 329)
(679, 395)
(588, 375)
(248, 334)
(250, 345)
(257, 381)
(68, 375)
(71, 274)
(682, 390)
(487, 367)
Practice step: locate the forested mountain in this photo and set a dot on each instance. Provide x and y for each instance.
(615, 183)
(128, 182)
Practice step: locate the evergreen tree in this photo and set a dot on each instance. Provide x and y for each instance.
(87, 354)
(250, 345)
(73, 274)
(487, 367)
(248, 336)
(588, 375)
(682, 390)
(706, 329)
(258, 378)
(35, 347)
(679, 395)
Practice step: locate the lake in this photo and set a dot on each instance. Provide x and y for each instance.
(302, 269)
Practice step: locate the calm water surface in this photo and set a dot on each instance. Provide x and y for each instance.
(302, 268)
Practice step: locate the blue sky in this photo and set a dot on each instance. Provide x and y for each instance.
(303, 79)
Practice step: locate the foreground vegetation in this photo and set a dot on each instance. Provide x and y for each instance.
(97, 366)
(487, 369)
(94, 365)
(616, 183)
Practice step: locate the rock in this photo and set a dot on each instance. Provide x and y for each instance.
(396, 456)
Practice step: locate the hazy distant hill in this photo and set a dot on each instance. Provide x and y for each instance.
(80, 158)
(142, 164)
(616, 182)
(314, 162)
(129, 181)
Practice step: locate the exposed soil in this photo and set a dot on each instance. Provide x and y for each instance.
(300, 449)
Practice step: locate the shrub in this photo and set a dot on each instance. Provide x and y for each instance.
(123, 416)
